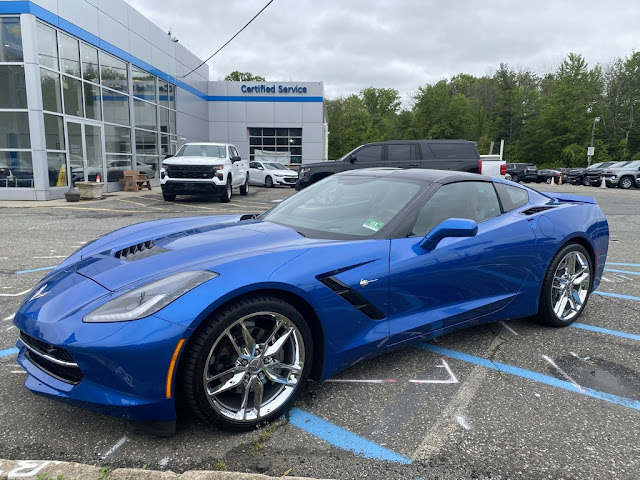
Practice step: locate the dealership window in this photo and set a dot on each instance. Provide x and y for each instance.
(113, 73)
(16, 168)
(276, 140)
(13, 92)
(89, 56)
(144, 84)
(11, 44)
(69, 55)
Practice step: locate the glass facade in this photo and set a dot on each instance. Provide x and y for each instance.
(109, 111)
(276, 140)
(16, 167)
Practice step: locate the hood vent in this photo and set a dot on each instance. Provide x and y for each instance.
(534, 210)
(139, 251)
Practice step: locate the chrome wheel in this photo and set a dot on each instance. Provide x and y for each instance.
(254, 366)
(570, 285)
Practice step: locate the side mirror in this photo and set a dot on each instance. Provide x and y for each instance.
(452, 227)
(260, 168)
(353, 159)
(235, 159)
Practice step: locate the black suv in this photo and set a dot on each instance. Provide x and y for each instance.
(526, 172)
(578, 176)
(460, 155)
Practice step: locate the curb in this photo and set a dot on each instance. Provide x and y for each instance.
(54, 470)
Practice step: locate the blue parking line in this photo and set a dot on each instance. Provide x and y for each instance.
(624, 264)
(341, 438)
(621, 271)
(36, 270)
(616, 295)
(615, 333)
(531, 375)
(8, 351)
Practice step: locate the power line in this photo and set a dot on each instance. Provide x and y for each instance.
(229, 41)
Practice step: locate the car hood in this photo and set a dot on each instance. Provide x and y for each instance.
(193, 160)
(152, 250)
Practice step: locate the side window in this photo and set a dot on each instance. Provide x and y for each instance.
(511, 197)
(254, 165)
(369, 154)
(397, 152)
(473, 200)
(231, 152)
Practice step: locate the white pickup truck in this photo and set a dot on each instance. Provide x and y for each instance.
(204, 169)
(493, 165)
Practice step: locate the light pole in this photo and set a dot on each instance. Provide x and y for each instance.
(590, 152)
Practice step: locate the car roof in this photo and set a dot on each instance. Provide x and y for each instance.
(427, 175)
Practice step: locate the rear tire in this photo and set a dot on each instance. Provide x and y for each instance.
(225, 197)
(515, 178)
(566, 286)
(248, 364)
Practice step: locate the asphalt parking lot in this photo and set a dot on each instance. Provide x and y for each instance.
(508, 400)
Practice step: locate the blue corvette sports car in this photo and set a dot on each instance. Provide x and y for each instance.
(235, 313)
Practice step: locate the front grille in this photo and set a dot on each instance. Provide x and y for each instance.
(191, 171)
(139, 251)
(53, 360)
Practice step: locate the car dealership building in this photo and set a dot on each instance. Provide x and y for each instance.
(90, 88)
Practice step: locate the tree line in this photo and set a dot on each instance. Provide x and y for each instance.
(546, 120)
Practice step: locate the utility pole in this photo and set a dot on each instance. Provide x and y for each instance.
(590, 150)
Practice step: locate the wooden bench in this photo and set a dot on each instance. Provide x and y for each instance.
(134, 181)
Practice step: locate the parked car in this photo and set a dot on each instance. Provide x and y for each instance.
(270, 174)
(494, 166)
(235, 312)
(622, 175)
(460, 155)
(594, 174)
(549, 176)
(578, 176)
(204, 169)
(522, 172)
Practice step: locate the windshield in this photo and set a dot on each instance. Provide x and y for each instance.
(618, 164)
(215, 151)
(275, 166)
(344, 206)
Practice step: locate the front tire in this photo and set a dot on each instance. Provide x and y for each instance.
(515, 178)
(566, 286)
(268, 182)
(247, 365)
(626, 183)
(225, 197)
(244, 189)
(168, 198)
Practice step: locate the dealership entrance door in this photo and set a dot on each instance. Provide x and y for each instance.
(86, 147)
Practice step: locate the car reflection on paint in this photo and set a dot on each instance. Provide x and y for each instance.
(236, 312)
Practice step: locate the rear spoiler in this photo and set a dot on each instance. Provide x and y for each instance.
(568, 197)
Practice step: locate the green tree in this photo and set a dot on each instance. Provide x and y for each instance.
(442, 112)
(237, 76)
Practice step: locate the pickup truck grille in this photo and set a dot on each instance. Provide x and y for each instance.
(190, 171)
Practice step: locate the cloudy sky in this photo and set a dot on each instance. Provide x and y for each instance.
(401, 44)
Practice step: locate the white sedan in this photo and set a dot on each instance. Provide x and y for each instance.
(271, 173)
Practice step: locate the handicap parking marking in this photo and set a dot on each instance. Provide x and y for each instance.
(616, 295)
(606, 331)
(629, 272)
(8, 351)
(531, 375)
(343, 439)
(20, 272)
(623, 264)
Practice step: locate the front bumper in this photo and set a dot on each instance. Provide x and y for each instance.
(285, 181)
(123, 366)
(302, 183)
(192, 187)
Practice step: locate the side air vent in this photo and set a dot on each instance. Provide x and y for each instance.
(534, 210)
(249, 216)
(353, 297)
(139, 251)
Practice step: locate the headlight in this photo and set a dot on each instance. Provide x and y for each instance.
(303, 172)
(148, 299)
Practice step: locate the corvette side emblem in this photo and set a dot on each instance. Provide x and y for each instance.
(40, 293)
(364, 283)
